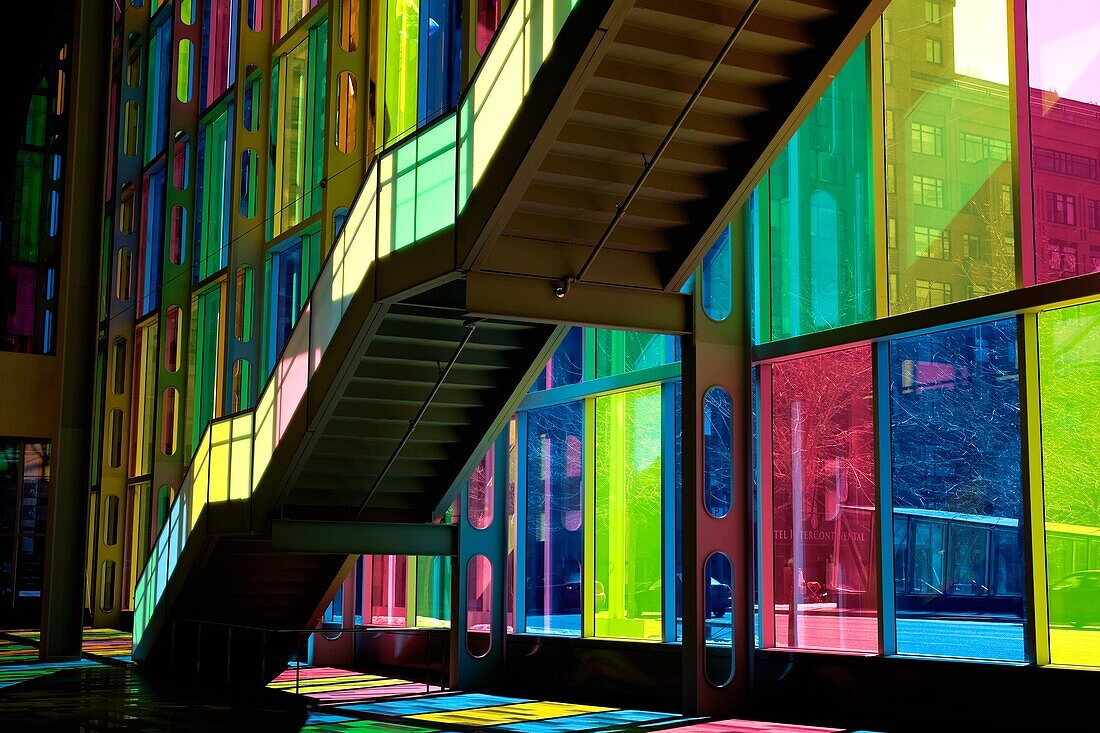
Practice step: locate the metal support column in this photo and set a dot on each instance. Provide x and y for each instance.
(717, 355)
(477, 662)
(63, 582)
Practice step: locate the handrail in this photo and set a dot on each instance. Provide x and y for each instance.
(440, 165)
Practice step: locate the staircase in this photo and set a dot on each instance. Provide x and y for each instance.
(583, 191)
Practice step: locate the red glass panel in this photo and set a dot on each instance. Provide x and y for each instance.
(488, 20)
(823, 503)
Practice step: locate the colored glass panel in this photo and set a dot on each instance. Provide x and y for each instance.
(555, 512)
(439, 50)
(144, 410)
(566, 366)
(205, 373)
(957, 496)
(215, 211)
(289, 12)
(718, 278)
(1069, 367)
(823, 572)
(157, 90)
(627, 574)
(1065, 123)
(481, 489)
(622, 352)
(488, 20)
(717, 452)
(151, 249)
(388, 590)
(219, 48)
(288, 272)
(399, 29)
(297, 131)
(718, 619)
(950, 229)
(433, 592)
(479, 605)
(820, 246)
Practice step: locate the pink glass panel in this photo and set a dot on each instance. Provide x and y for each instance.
(219, 32)
(1064, 71)
(479, 605)
(293, 375)
(480, 504)
(388, 590)
(823, 503)
(19, 328)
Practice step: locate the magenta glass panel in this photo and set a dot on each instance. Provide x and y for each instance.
(480, 499)
(388, 590)
(19, 316)
(1064, 70)
(479, 605)
(219, 51)
(488, 20)
(292, 375)
(823, 503)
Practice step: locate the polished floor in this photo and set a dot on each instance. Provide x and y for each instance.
(103, 691)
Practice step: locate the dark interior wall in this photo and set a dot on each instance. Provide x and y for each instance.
(900, 695)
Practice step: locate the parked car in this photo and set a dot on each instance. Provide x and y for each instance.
(566, 595)
(1075, 599)
(719, 597)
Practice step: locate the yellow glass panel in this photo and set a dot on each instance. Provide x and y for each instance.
(507, 714)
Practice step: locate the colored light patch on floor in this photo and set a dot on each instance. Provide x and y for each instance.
(14, 674)
(595, 721)
(753, 726)
(434, 704)
(505, 714)
(366, 726)
(333, 685)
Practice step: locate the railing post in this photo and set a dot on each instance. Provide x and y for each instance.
(297, 660)
(228, 655)
(263, 657)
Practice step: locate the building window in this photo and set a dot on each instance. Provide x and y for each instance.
(972, 246)
(289, 270)
(928, 191)
(933, 51)
(215, 171)
(298, 80)
(204, 383)
(931, 243)
(1061, 208)
(926, 139)
(932, 12)
(219, 30)
(1094, 214)
(931, 293)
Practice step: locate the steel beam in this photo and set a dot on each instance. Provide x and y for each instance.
(502, 296)
(363, 538)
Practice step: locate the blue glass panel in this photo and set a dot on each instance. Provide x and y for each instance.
(555, 512)
(958, 542)
(718, 278)
(717, 452)
(284, 287)
(440, 53)
(566, 366)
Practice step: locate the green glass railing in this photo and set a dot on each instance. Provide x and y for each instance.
(410, 192)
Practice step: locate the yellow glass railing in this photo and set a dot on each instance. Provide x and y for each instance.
(410, 192)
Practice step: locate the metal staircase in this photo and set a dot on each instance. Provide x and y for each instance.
(582, 180)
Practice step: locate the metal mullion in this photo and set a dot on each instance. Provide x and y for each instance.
(1019, 92)
(588, 531)
(520, 583)
(766, 528)
(884, 499)
(668, 512)
(1037, 632)
(876, 79)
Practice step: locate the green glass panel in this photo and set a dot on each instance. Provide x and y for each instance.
(217, 172)
(621, 352)
(627, 588)
(27, 207)
(433, 591)
(822, 261)
(205, 360)
(1069, 370)
(948, 116)
(400, 37)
